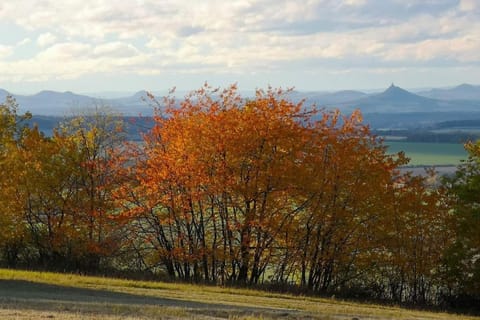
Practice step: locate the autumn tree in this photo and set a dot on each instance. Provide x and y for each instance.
(58, 189)
(228, 188)
(97, 136)
(414, 235)
(463, 258)
(214, 184)
(12, 229)
(45, 183)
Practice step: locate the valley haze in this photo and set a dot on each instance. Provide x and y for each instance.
(392, 108)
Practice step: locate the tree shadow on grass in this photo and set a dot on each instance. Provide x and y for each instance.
(41, 296)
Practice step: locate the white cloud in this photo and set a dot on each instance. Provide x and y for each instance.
(46, 39)
(23, 42)
(70, 60)
(463, 49)
(151, 36)
(355, 2)
(115, 49)
(5, 51)
(468, 5)
(65, 51)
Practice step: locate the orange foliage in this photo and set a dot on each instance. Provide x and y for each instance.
(233, 184)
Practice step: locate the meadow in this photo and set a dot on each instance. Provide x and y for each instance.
(42, 295)
(429, 154)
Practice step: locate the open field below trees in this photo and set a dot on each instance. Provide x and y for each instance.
(429, 154)
(41, 295)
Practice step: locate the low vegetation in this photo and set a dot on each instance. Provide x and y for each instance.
(247, 192)
(34, 295)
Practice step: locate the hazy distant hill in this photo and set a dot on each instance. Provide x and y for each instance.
(398, 100)
(461, 92)
(392, 108)
(137, 104)
(329, 98)
(59, 104)
(392, 100)
(3, 95)
(53, 103)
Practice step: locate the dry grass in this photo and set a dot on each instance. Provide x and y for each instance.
(42, 295)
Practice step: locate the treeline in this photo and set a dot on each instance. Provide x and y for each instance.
(133, 127)
(228, 190)
(423, 135)
(454, 136)
(470, 123)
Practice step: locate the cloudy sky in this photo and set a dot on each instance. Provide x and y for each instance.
(96, 45)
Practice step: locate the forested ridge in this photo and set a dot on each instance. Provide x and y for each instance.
(228, 190)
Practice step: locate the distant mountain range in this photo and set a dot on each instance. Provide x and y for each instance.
(329, 98)
(52, 103)
(399, 108)
(461, 92)
(398, 100)
(392, 107)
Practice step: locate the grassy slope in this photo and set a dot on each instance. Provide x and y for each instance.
(35, 295)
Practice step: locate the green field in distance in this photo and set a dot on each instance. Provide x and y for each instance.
(429, 154)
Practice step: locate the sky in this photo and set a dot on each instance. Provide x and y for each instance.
(326, 45)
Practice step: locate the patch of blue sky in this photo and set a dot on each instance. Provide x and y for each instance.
(13, 34)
